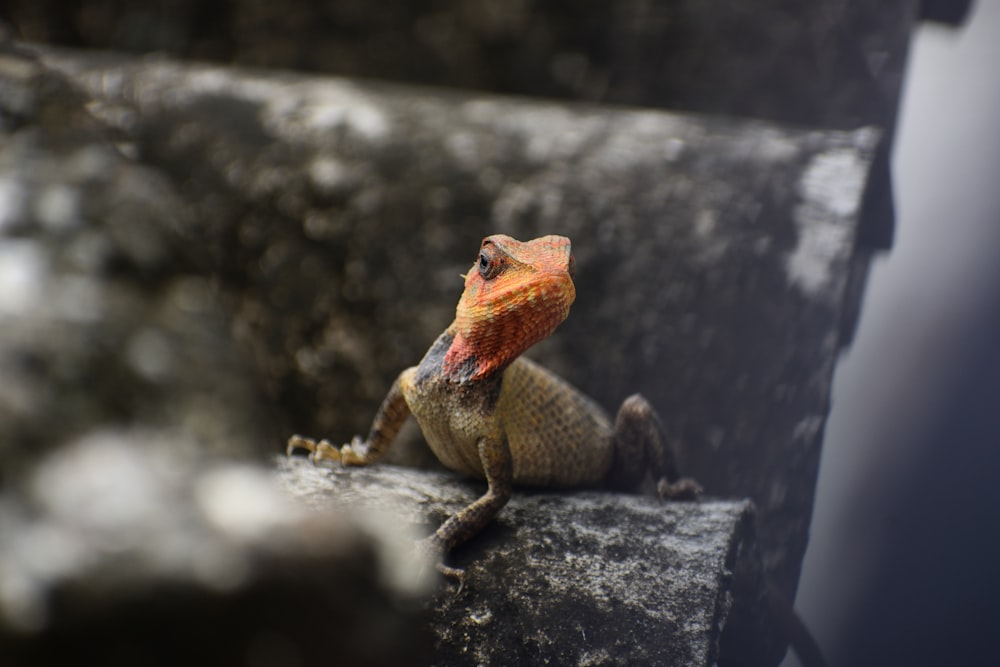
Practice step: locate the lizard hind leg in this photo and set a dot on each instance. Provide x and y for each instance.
(641, 447)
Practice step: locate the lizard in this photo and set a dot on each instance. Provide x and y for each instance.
(488, 412)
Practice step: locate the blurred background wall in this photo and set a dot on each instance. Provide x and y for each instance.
(901, 565)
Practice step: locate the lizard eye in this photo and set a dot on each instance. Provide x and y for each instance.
(489, 264)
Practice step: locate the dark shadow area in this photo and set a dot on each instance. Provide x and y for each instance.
(932, 597)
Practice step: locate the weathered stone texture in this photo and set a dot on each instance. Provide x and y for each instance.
(821, 63)
(585, 578)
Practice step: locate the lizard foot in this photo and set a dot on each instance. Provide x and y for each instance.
(430, 549)
(683, 489)
(318, 451)
(299, 442)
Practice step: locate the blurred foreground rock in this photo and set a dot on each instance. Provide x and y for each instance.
(585, 578)
(121, 554)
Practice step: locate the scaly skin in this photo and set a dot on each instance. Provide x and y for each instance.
(487, 412)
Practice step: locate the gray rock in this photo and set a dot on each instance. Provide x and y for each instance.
(715, 258)
(103, 323)
(828, 63)
(583, 578)
(121, 552)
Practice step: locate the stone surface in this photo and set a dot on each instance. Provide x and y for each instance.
(103, 321)
(831, 63)
(583, 578)
(715, 258)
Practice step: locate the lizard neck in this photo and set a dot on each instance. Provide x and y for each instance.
(472, 357)
(488, 337)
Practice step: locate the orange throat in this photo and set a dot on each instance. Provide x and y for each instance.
(490, 335)
(515, 295)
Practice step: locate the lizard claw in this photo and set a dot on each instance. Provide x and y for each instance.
(430, 549)
(455, 573)
(300, 442)
(325, 452)
(318, 451)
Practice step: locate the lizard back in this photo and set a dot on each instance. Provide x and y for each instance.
(557, 435)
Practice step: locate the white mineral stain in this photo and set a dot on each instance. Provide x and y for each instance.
(712, 246)
(834, 181)
(550, 133)
(830, 190)
(328, 173)
(58, 206)
(807, 429)
(23, 267)
(335, 106)
(292, 111)
(150, 354)
(822, 242)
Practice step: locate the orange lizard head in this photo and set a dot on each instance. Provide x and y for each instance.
(515, 295)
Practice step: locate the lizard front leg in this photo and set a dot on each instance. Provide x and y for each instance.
(498, 467)
(388, 420)
(641, 446)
